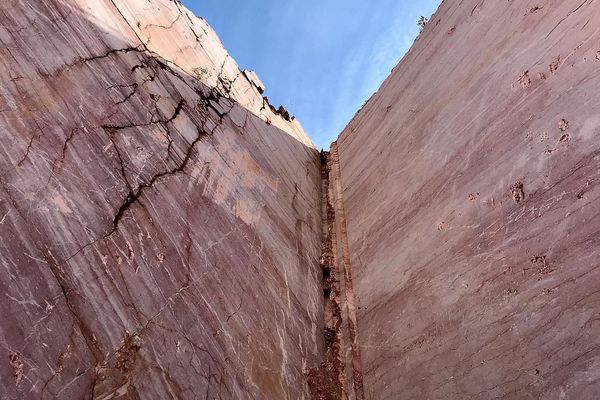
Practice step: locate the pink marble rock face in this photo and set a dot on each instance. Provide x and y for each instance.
(471, 189)
(163, 228)
(159, 226)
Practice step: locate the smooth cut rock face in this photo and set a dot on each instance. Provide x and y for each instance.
(471, 189)
(159, 224)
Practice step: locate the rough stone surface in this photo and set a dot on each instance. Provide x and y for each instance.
(160, 226)
(165, 232)
(472, 197)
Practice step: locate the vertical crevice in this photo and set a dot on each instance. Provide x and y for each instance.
(353, 360)
(327, 381)
(339, 375)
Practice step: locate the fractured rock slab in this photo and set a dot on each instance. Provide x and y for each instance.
(145, 213)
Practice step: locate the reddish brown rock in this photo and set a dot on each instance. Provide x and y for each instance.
(494, 296)
(159, 238)
(167, 233)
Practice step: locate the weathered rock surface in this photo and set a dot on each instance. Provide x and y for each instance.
(165, 232)
(472, 198)
(160, 226)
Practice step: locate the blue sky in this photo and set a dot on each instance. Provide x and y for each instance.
(320, 58)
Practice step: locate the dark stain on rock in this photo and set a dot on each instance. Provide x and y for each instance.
(563, 125)
(126, 356)
(542, 264)
(16, 361)
(115, 379)
(524, 80)
(554, 64)
(517, 192)
(473, 197)
(533, 10)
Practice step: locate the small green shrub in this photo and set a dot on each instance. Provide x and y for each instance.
(201, 73)
(422, 22)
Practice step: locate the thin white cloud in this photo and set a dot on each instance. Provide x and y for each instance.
(367, 67)
(332, 55)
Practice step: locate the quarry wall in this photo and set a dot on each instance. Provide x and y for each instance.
(471, 189)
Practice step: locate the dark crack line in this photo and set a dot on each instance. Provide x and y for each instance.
(214, 93)
(122, 86)
(170, 145)
(158, 26)
(134, 195)
(567, 16)
(190, 23)
(480, 4)
(86, 60)
(116, 128)
(29, 145)
(124, 50)
(235, 312)
(166, 26)
(55, 270)
(111, 135)
(63, 153)
(137, 66)
(136, 86)
(131, 27)
(129, 95)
